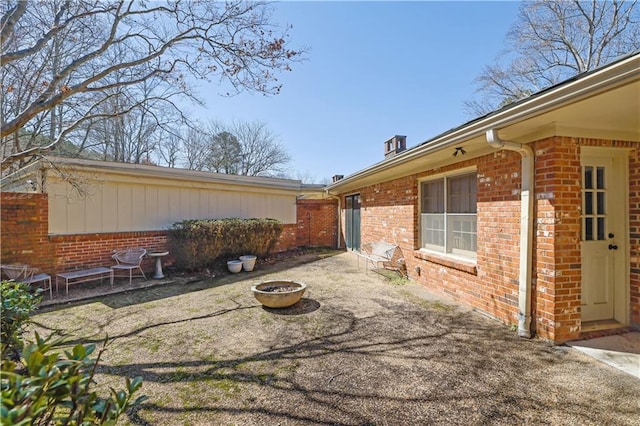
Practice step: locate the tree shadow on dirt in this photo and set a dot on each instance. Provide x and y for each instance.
(403, 367)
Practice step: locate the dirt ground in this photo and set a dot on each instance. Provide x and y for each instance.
(359, 349)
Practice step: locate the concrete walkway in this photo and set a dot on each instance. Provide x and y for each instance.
(620, 351)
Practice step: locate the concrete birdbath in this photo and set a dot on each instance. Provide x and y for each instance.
(278, 293)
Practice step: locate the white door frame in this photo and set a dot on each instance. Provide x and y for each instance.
(620, 177)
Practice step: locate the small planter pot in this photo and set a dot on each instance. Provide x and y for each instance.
(234, 266)
(278, 293)
(248, 262)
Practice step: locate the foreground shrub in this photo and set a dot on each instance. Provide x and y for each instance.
(18, 302)
(57, 389)
(197, 244)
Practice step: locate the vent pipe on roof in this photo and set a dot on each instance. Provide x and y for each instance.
(526, 227)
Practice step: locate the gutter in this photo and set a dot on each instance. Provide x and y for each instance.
(572, 90)
(526, 227)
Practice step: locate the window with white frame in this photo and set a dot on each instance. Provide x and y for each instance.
(448, 219)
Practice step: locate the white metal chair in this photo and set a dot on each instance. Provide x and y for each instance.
(28, 275)
(129, 260)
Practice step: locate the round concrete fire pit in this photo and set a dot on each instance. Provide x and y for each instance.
(278, 293)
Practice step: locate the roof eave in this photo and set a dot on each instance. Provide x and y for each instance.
(574, 89)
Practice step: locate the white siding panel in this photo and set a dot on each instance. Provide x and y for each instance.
(93, 208)
(124, 207)
(138, 208)
(174, 204)
(164, 212)
(152, 214)
(111, 206)
(57, 207)
(185, 203)
(76, 213)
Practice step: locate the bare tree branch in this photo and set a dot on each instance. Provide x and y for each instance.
(62, 60)
(553, 40)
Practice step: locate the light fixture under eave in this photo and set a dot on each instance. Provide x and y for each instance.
(459, 150)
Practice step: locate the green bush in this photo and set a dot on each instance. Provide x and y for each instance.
(197, 244)
(18, 302)
(57, 389)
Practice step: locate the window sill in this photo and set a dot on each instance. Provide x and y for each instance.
(468, 266)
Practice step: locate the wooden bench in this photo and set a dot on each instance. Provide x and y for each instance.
(380, 252)
(84, 275)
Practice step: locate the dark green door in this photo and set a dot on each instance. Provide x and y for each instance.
(352, 222)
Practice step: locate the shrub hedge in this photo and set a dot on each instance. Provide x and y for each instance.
(198, 244)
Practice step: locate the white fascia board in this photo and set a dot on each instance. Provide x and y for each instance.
(141, 170)
(588, 84)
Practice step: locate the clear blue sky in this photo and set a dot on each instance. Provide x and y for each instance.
(374, 69)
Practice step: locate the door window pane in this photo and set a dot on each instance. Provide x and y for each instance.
(594, 202)
(588, 229)
(588, 177)
(601, 229)
(600, 178)
(588, 202)
(601, 203)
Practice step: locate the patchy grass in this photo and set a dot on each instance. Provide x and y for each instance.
(355, 350)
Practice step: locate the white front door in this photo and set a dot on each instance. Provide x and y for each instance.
(604, 231)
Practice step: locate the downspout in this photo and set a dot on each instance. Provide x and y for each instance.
(339, 218)
(526, 227)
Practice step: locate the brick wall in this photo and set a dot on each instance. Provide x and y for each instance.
(287, 240)
(25, 239)
(90, 250)
(498, 255)
(316, 223)
(557, 257)
(390, 212)
(24, 229)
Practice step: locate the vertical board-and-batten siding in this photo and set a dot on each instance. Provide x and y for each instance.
(114, 206)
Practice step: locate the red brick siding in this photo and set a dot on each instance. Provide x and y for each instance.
(495, 289)
(24, 228)
(634, 234)
(557, 272)
(388, 212)
(90, 250)
(287, 240)
(317, 223)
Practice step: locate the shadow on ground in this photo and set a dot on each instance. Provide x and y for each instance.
(359, 349)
